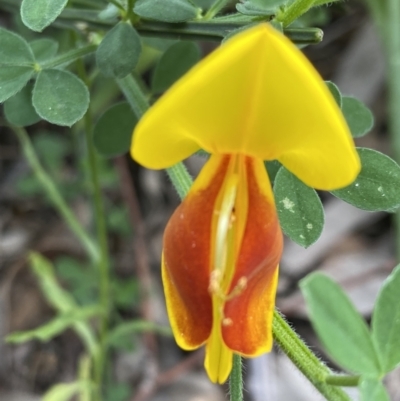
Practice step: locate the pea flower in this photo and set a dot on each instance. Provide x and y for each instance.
(255, 98)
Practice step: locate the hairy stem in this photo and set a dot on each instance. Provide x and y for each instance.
(304, 359)
(236, 379)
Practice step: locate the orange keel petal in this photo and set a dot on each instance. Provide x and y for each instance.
(249, 313)
(186, 265)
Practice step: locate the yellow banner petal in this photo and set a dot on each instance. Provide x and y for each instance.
(257, 95)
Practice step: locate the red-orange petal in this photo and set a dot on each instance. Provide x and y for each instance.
(186, 261)
(250, 313)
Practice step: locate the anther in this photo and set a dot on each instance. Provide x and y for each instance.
(242, 283)
(238, 289)
(215, 281)
(227, 321)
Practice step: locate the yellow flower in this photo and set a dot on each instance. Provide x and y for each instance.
(255, 98)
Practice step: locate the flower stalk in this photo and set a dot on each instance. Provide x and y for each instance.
(236, 379)
(305, 360)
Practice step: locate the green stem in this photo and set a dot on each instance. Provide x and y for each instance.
(215, 8)
(68, 57)
(104, 262)
(342, 380)
(180, 178)
(178, 173)
(129, 8)
(55, 196)
(294, 11)
(117, 4)
(133, 94)
(304, 359)
(130, 14)
(216, 31)
(236, 379)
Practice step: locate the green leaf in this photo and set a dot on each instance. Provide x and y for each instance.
(56, 296)
(109, 13)
(159, 44)
(14, 50)
(37, 14)
(377, 187)
(272, 167)
(359, 118)
(60, 97)
(12, 80)
(341, 329)
(166, 10)
(65, 391)
(259, 7)
(18, 109)
(372, 390)
(386, 322)
(16, 64)
(299, 209)
(113, 131)
(119, 51)
(335, 92)
(56, 326)
(175, 62)
(44, 48)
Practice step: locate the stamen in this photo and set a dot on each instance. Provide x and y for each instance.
(215, 287)
(237, 289)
